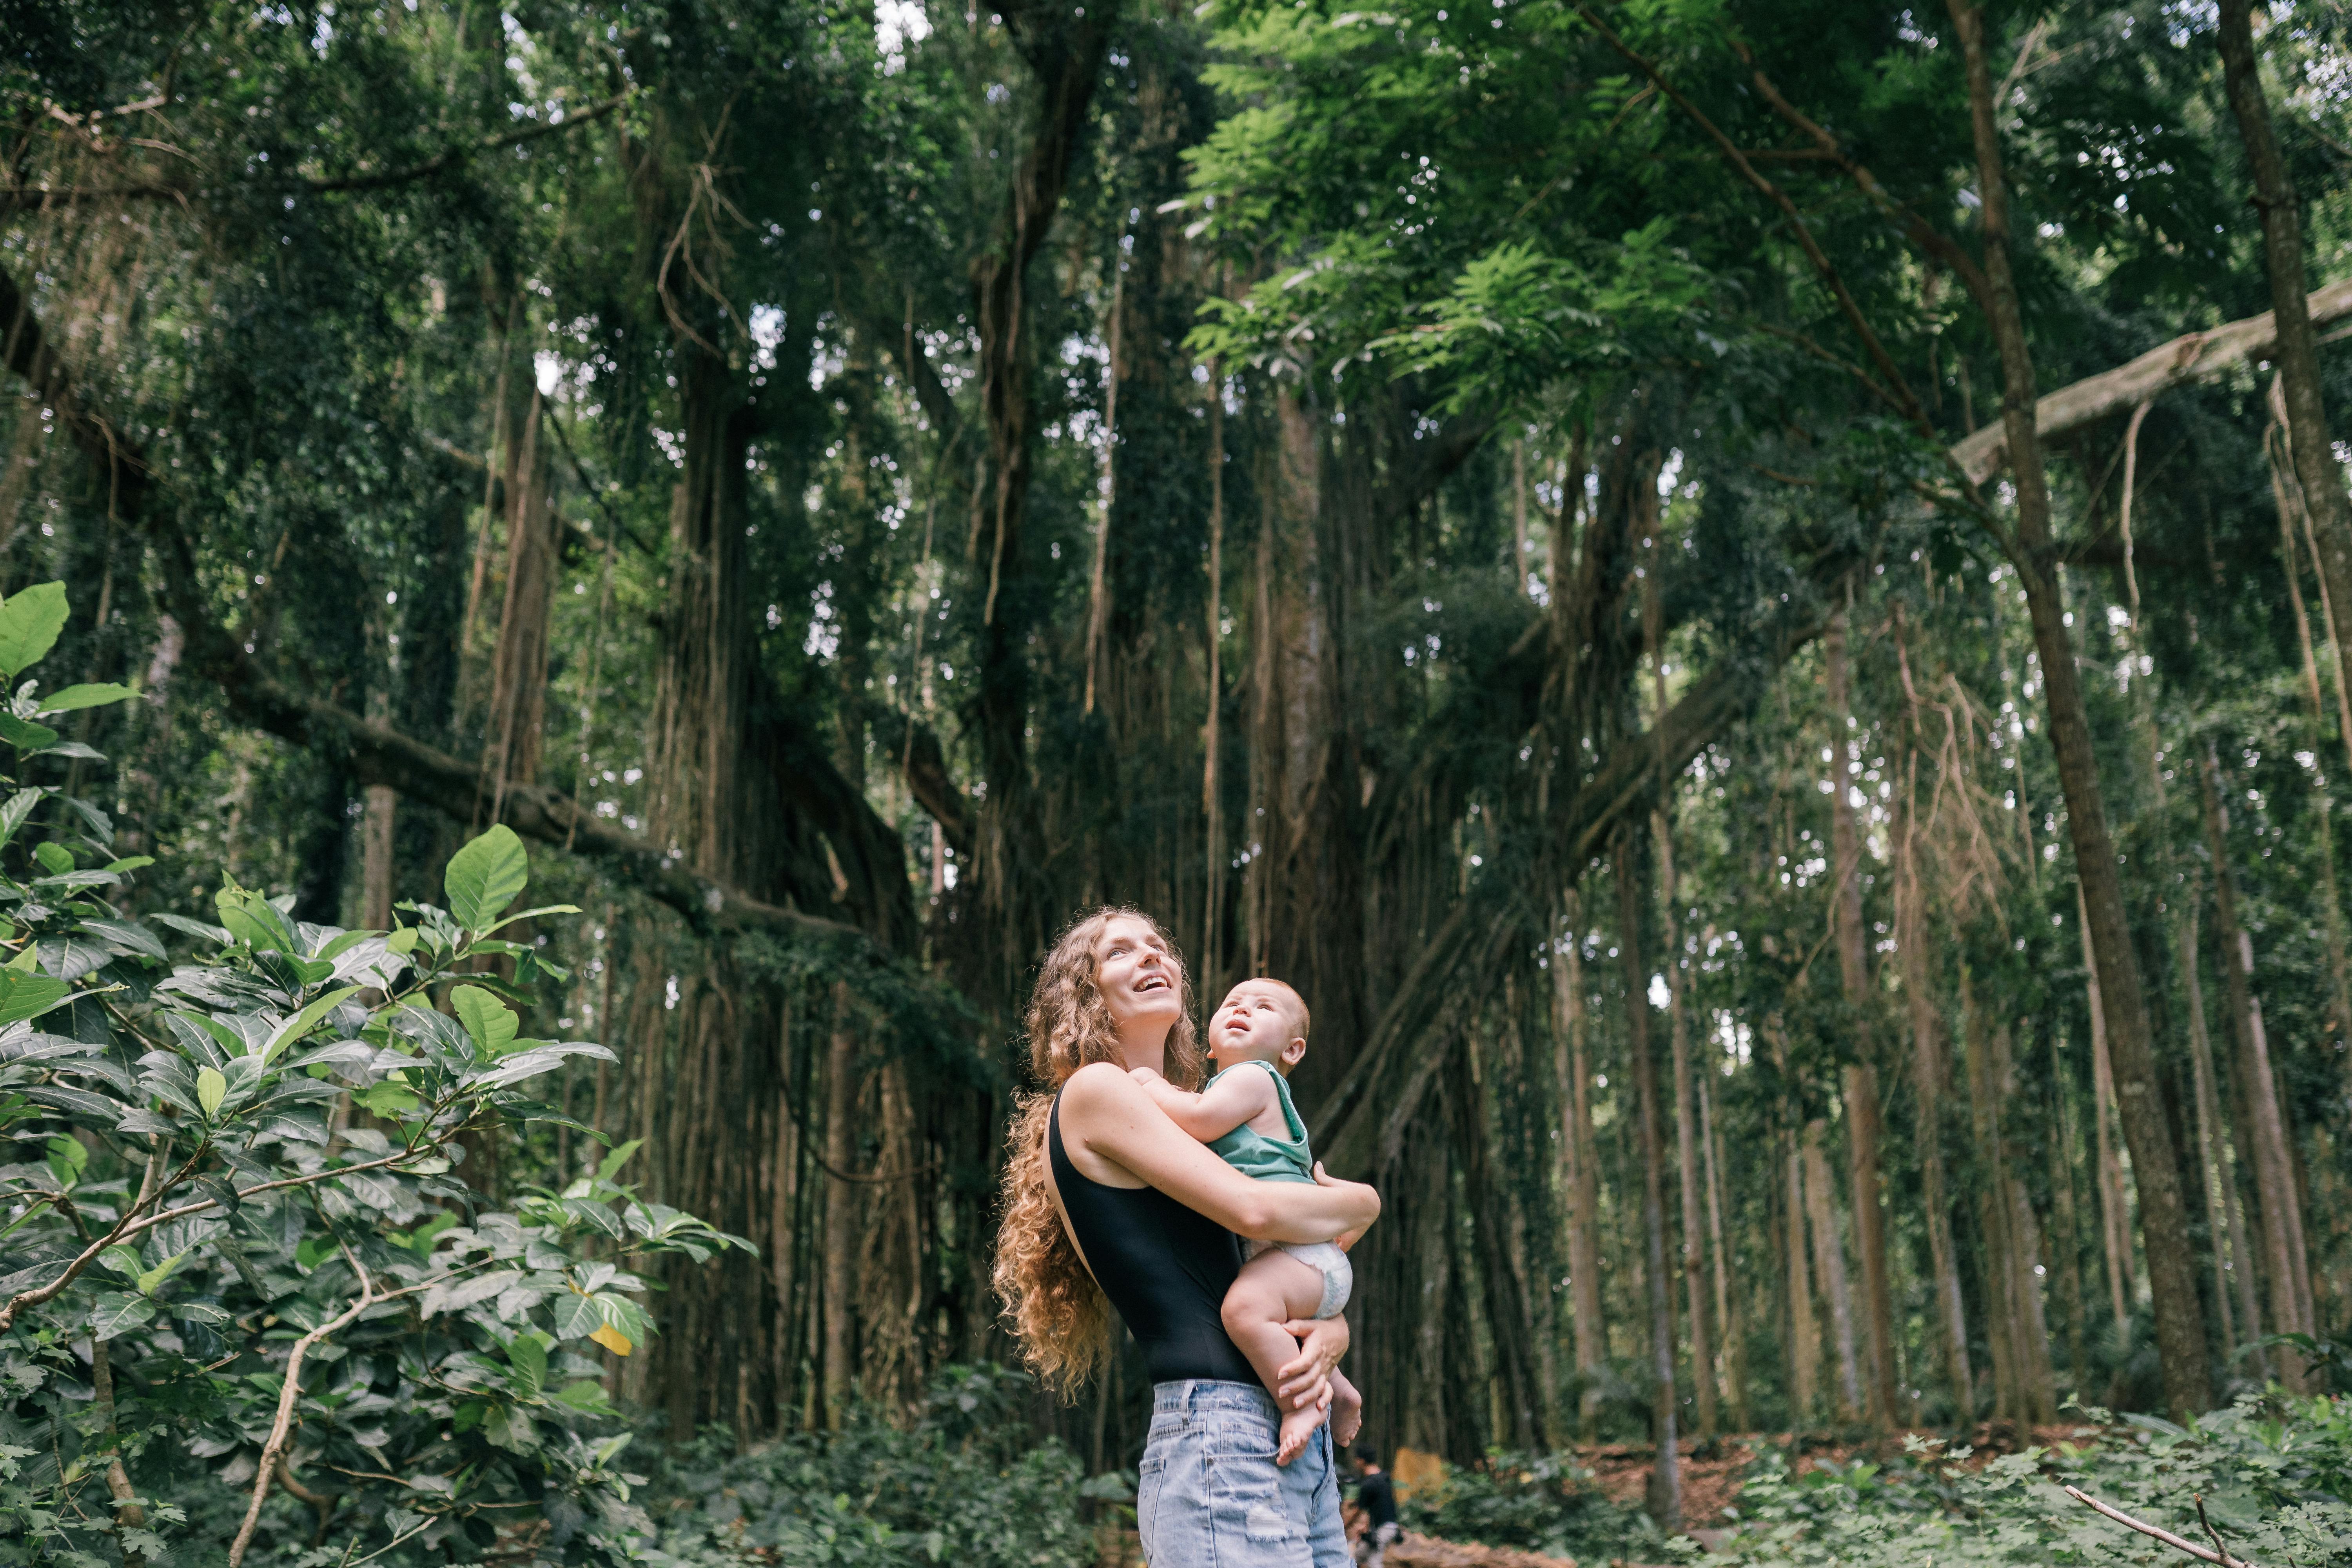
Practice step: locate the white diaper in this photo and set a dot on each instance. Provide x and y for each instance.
(1327, 1259)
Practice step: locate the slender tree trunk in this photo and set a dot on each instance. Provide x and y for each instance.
(2233, 1273)
(2282, 1216)
(1665, 1493)
(1861, 1075)
(2297, 353)
(840, 1206)
(1999, 1214)
(2290, 507)
(2038, 1394)
(1580, 1170)
(1804, 1323)
(1735, 1349)
(2172, 1260)
(1929, 1081)
(1686, 1142)
(2066, 1244)
(1212, 800)
(2115, 1203)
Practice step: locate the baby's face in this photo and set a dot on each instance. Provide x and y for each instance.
(1257, 1022)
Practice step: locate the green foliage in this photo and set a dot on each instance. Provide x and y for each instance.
(2275, 1475)
(969, 1485)
(214, 1156)
(1531, 1502)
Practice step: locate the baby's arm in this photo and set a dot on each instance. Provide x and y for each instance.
(1233, 1099)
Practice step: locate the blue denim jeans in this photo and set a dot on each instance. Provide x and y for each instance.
(1210, 1496)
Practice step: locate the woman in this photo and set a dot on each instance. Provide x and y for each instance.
(1106, 1197)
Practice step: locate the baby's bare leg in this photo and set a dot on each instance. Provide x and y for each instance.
(1271, 1289)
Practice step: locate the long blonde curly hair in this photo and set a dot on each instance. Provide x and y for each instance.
(1054, 1308)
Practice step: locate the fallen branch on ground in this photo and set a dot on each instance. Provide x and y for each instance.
(2213, 1554)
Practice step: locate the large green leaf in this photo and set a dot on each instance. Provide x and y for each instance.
(484, 878)
(252, 919)
(26, 995)
(118, 1312)
(26, 735)
(490, 1021)
(302, 1022)
(72, 699)
(29, 624)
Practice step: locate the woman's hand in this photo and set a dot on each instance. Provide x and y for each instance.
(1308, 1379)
(1366, 1199)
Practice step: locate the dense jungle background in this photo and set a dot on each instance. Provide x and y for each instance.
(1754, 602)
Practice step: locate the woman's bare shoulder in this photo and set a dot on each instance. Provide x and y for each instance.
(1094, 1086)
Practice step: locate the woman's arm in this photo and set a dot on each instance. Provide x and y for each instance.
(1215, 1112)
(1107, 1114)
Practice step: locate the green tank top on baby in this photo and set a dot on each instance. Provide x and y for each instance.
(1253, 1154)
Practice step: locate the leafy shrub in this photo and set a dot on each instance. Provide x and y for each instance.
(969, 1486)
(1531, 1502)
(2275, 1475)
(238, 1268)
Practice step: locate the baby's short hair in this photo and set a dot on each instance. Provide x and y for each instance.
(1303, 1019)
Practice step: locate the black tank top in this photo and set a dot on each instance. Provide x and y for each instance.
(1166, 1268)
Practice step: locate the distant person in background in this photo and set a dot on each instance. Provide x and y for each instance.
(1377, 1496)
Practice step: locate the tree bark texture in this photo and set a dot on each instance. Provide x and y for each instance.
(1665, 1499)
(1929, 1081)
(2285, 1262)
(2164, 1216)
(1860, 1074)
(1580, 1167)
(2297, 349)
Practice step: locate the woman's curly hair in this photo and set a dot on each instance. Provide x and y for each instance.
(1057, 1311)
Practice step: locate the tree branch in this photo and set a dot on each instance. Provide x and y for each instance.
(1887, 370)
(2202, 1553)
(36, 198)
(923, 763)
(2197, 356)
(287, 1393)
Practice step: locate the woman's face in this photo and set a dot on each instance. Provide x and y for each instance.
(1136, 974)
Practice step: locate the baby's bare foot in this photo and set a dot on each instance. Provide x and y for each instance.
(1297, 1427)
(1347, 1413)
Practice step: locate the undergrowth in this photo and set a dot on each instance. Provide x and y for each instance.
(2275, 1474)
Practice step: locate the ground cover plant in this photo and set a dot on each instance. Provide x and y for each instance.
(2273, 1474)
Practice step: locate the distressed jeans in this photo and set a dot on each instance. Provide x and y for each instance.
(1209, 1494)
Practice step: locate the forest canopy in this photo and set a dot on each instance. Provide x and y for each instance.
(1743, 598)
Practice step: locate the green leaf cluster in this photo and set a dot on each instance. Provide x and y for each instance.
(217, 1138)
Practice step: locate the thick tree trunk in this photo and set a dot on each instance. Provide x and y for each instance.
(1860, 1076)
(377, 873)
(2283, 1255)
(2172, 1260)
(1664, 1495)
(1580, 1168)
(2297, 352)
(1829, 1268)
(708, 1096)
(517, 711)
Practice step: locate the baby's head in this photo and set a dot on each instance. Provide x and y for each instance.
(1259, 1021)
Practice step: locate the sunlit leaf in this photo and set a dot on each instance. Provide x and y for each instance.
(484, 877)
(29, 624)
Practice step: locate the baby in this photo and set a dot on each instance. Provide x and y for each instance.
(1245, 1117)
